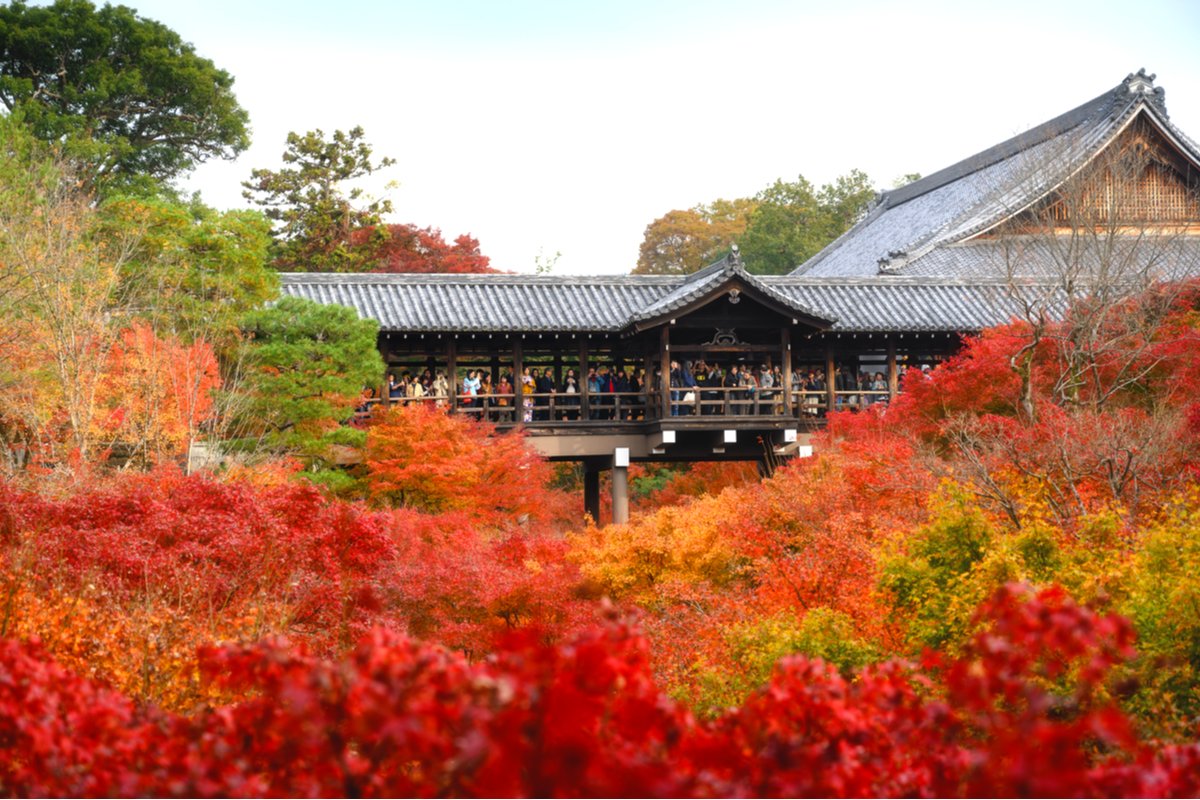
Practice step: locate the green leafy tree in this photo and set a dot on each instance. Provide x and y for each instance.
(125, 95)
(308, 365)
(316, 212)
(793, 220)
(680, 242)
(193, 271)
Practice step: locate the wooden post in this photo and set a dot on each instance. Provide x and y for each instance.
(830, 379)
(785, 348)
(644, 402)
(452, 370)
(558, 386)
(591, 491)
(584, 411)
(893, 372)
(620, 494)
(664, 383)
(517, 385)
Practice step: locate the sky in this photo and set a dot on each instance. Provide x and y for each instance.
(546, 128)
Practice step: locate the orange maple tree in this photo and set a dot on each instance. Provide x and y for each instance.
(421, 458)
(155, 393)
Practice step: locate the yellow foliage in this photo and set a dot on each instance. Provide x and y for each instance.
(147, 652)
(687, 544)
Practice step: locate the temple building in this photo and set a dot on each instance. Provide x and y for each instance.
(1105, 194)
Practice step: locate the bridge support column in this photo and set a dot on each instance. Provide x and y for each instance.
(620, 486)
(591, 491)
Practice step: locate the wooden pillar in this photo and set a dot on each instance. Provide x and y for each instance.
(591, 491)
(584, 411)
(830, 377)
(893, 372)
(385, 354)
(558, 384)
(785, 350)
(518, 387)
(664, 383)
(452, 370)
(647, 400)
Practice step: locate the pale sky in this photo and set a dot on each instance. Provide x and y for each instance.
(543, 127)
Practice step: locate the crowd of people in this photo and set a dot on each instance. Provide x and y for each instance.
(618, 392)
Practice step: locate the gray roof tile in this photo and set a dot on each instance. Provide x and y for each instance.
(499, 304)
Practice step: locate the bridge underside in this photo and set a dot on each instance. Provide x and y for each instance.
(763, 441)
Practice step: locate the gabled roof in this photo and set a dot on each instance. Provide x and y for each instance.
(906, 228)
(727, 274)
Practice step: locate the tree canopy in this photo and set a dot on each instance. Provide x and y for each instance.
(317, 211)
(407, 248)
(680, 242)
(309, 364)
(124, 94)
(778, 229)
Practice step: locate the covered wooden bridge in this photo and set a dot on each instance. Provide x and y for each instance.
(700, 331)
(946, 255)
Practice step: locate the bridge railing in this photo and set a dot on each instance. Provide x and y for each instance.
(701, 401)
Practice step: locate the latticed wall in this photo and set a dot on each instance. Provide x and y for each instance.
(1158, 194)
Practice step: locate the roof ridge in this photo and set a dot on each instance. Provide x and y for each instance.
(1101, 105)
(885, 282)
(400, 278)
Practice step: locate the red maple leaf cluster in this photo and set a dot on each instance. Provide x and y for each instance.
(1023, 711)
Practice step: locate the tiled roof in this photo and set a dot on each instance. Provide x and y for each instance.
(907, 229)
(484, 302)
(938, 275)
(933, 305)
(511, 303)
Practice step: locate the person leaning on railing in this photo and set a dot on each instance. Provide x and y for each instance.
(527, 389)
(766, 390)
(413, 389)
(441, 390)
(570, 400)
(504, 399)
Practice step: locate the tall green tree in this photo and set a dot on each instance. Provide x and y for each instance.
(126, 96)
(316, 210)
(794, 220)
(308, 365)
(192, 271)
